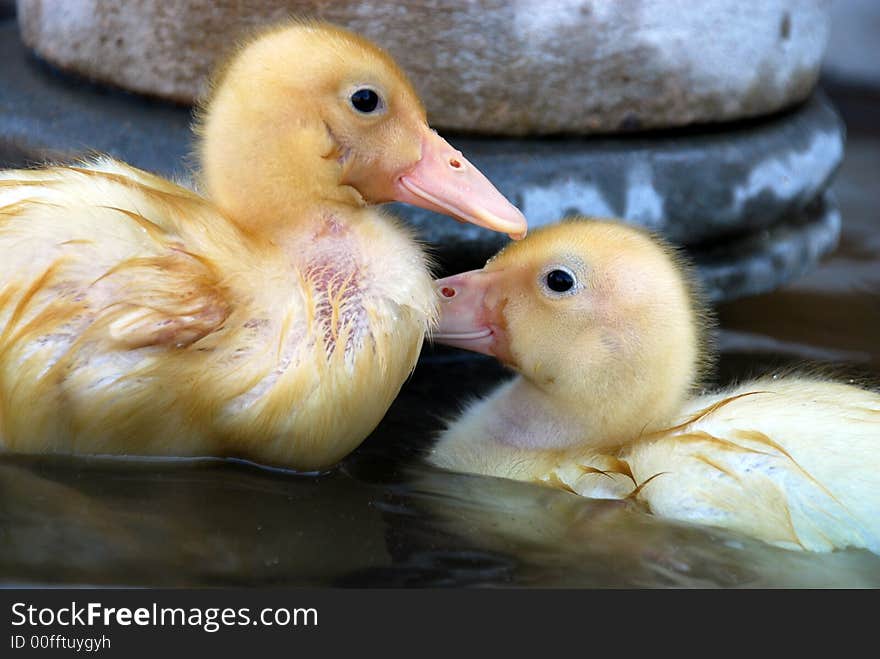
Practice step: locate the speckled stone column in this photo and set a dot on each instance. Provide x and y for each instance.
(512, 67)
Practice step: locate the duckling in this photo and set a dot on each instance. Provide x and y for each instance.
(606, 332)
(272, 317)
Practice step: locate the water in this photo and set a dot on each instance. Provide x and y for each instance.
(384, 519)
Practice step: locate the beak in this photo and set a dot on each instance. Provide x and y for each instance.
(444, 181)
(471, 313)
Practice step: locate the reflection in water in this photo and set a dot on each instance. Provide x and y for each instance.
(180, 522)
(561, 539)
(86, 521)
(384, 519)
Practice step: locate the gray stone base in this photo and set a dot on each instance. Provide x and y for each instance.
(690, 186)
(764, 260)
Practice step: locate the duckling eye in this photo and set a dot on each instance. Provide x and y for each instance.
(365, 100)
(560, 281)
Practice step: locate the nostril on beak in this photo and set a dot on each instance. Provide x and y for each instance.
(455, 163)
(447, 292)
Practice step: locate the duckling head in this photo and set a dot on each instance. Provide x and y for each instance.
(308, 113)
(599, 319)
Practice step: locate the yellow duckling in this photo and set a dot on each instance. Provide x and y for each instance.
(274, 318)
(601, 324)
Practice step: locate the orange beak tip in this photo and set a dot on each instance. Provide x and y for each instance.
(445, 182)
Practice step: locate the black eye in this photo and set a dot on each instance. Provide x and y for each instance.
(560, 281)
(365, 100)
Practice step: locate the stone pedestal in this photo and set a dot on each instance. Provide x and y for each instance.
(512, 67)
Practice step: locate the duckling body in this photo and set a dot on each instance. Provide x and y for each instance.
(267, 345)
(273, 318)
(793, 461)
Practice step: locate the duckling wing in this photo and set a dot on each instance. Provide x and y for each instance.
(795, 463)
(102, 247)
(174, 300)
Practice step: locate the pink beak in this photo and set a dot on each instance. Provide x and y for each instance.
(444, 181)
(471, 315)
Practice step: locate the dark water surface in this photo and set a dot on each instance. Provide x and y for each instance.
(384, 519)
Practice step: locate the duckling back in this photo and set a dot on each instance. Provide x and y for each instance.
(794, 462)
(103, 271)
